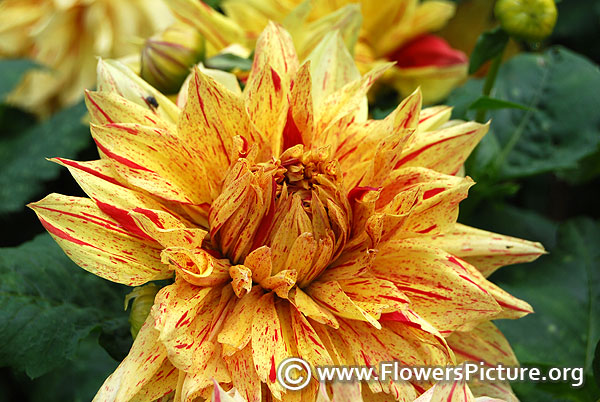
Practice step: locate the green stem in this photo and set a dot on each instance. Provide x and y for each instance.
(490, 80)
(488, 85)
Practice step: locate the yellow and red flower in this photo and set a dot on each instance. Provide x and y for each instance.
(293, 226)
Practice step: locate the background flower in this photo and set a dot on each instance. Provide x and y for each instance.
(396, 30)
(67, 37)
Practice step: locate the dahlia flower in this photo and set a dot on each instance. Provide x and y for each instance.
(67, 36)
(243, 22)
(292, 226)
(397, 30)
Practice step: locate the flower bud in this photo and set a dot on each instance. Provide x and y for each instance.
(143, 299)
(531, 20)
(167, 57)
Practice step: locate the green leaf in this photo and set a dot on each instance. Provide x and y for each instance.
(24, 167)
(489, 45)
(561, 128)
(49, 305)
(596, 364)
(11, 72)
(228, 62)
(77, 381)
(488, 103)
(563, 288)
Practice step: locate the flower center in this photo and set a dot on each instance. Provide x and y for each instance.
(296, 207)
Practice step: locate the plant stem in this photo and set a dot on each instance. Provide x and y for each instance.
(490, 80)
(488, 85)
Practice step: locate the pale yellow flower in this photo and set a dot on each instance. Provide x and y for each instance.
(395, 30)
(67, 36)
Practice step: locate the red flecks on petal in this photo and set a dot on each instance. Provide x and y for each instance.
(358, 192)
(88, 170)
(427, 50)
(245, 148)
(276, 80)
(510, 306)
(181, 319)
(106, 116)
(272, 373)
(267, 221)
(120, 159)
(63, 235)
(419, 151)
(423, 292)
(471, 356)
(451, 394)
(153, 216)
(291, 134)
(430, 193)
(427, 230)
(122, 217)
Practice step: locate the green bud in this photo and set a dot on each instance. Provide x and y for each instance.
(531, 20)
(143, 300)
(168, 57)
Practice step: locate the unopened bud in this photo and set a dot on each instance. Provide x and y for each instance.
(168, 57)
(531, 20)
(143, 300)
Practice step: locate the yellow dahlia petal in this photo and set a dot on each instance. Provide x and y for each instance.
(268, 86)
(158, 168)
(98, 243)
(485, 250)
(432, 118)
(268, 347)
(485, 343)
(145, 374)
(110, 107)
(332, 67)
(350, 100)
(449, 392)
(449, 296)
(236, 332)
(310, 308)
(455, 143)
(218, 30)
(188, 320)
(210, 119)
(166, 229)
(332, 296)
(493, 392)
(227, 79)
(197, 266)
(200, 383)
(243, 375)
(102, 184)
(419, 201)
(233, 395)
(114, 76)
(309, 345)
(346, 20)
